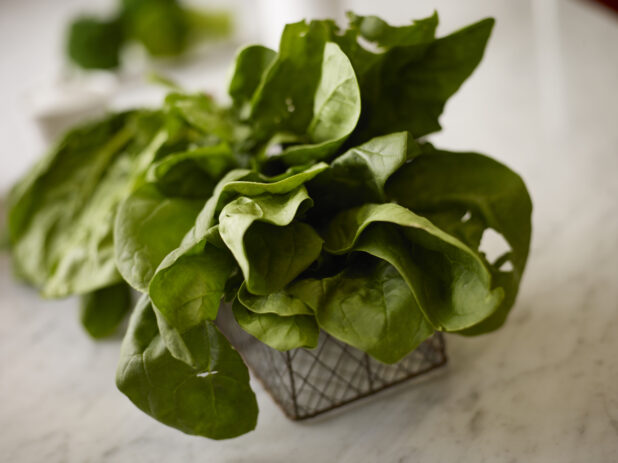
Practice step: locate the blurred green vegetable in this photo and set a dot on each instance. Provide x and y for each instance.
(163, 27)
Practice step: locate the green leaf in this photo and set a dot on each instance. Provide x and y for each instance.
(193, 173)
(212, 399)
(451, 284)
(250, 65)
(385, 36)
(188, 286)
(358, 176)
(370, 307)
(279, 303)
(102, 310)
(160, 25)
(200, 112)
(190, 281)
(148, 227)
(246, 183)
(336, 110)
(94, 43)
(278, 332)
(291, 81)
(444, 186)
(61, 215)
(270, 249)
(407, 88)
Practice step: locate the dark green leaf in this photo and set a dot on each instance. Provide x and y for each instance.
(336, 109)
(212, 399)
(102, 310)
(370, 307)
(148, 227)
(385, 36)
(160, 25)
(358, 176)
(94, 43)
(250, 65)
(193, 173)
(408, 87)
(291, 81)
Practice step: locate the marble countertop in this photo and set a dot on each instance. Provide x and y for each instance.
(542, 389)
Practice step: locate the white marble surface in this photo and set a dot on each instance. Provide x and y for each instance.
(542, 389)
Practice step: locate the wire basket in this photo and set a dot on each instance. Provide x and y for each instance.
(308, 382)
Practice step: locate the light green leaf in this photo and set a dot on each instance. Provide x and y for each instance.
(278, 332)
(279, 303)
(62, 215)
(212, 399)
(270, 249)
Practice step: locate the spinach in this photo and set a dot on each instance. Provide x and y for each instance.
(309, 204)
(61, 215)
(211, 398)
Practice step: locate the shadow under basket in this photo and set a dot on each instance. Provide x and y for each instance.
(308, 382)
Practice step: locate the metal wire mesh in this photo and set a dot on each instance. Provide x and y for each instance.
(307, 382)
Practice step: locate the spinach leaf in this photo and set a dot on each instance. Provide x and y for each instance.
(188, 285)
(336, 109)
(279, 332)
(270, 249)
(212, 399)
(386, 37)
(444, 186)
(250, 65)
(190, 281)
(102, 310)
(148, 227)
(291, 81)
(358, 176)
(193, 173)
(62, 215)
(370, 307)
(407, 87)
(279, 303)
(451, 284)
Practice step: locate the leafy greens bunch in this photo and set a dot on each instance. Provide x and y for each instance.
(163, 27)
(310, 203)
